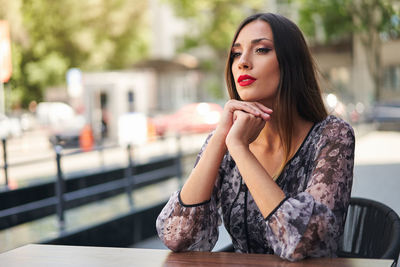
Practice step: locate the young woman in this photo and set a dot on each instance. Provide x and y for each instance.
(277, 167)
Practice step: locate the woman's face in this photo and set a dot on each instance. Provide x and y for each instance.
(255, 67)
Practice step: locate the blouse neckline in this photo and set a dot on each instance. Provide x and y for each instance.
(297, 152)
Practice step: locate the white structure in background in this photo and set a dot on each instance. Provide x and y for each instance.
(152, 87)
(111, 95)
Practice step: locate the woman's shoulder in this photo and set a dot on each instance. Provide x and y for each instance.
(333, 127)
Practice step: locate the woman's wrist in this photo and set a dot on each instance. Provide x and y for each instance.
(237, 148)
(219, 137)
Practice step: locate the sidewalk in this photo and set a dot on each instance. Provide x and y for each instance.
(377, 168)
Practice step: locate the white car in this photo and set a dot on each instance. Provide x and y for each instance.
(64, 124)
(9, 127)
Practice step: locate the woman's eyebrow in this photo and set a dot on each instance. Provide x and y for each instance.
(253, 41)
(259, 40)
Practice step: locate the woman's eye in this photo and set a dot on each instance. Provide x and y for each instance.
(262, 50)
(235, 54)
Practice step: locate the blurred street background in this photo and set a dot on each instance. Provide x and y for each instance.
(85, 79)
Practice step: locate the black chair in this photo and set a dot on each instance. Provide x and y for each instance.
(372, 230)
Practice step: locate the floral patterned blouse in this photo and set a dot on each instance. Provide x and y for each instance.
(309, 222)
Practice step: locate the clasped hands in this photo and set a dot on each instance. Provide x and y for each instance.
(242, 122)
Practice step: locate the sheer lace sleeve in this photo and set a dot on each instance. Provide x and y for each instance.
(190, 227)
(311, 223)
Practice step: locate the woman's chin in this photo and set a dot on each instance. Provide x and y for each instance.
(249, 98)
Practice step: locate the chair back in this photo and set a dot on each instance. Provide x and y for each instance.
(372, 230)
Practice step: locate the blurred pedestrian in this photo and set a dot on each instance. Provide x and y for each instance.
(277, 167)
(104, 124)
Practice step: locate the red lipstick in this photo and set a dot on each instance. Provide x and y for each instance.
(245, 80)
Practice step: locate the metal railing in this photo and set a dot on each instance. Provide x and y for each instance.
(67, 194)
(59, 151)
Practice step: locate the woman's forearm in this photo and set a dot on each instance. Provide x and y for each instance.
(199, 186)
(266, 193)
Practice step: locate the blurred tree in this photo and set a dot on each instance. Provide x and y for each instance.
(367, 21)
(211, 24)
(49, 37)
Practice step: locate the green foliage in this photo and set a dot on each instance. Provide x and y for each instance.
(212, 23)
(49, 37)
(339, 19)
(330, 17)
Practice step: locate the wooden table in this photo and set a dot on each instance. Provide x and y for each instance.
(51, 255)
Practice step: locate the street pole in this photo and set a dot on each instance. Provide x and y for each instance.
(5, 162)
(59, 190)
(129, 176)
(2, 101)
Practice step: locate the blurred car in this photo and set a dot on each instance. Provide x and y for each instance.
(63, 123)
(28, 121)
(191, 118)
(9, 127)
(54, 113)
(386, 116)
(384, 112)
(68, 134)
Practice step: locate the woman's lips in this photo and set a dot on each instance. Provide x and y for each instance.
(245, 80)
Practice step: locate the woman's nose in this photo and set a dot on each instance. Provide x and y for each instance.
(244, 62)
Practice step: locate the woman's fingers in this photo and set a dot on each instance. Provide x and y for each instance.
(263, 108)
(239, 114)
(266, 112)
(254, 108)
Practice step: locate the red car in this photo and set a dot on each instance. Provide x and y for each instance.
(191, 118)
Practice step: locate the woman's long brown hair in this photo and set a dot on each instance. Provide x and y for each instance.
(298, 89)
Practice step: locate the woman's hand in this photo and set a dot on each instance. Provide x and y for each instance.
(245, 129)
(256, 109)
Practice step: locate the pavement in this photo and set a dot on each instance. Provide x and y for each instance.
(377, 168)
